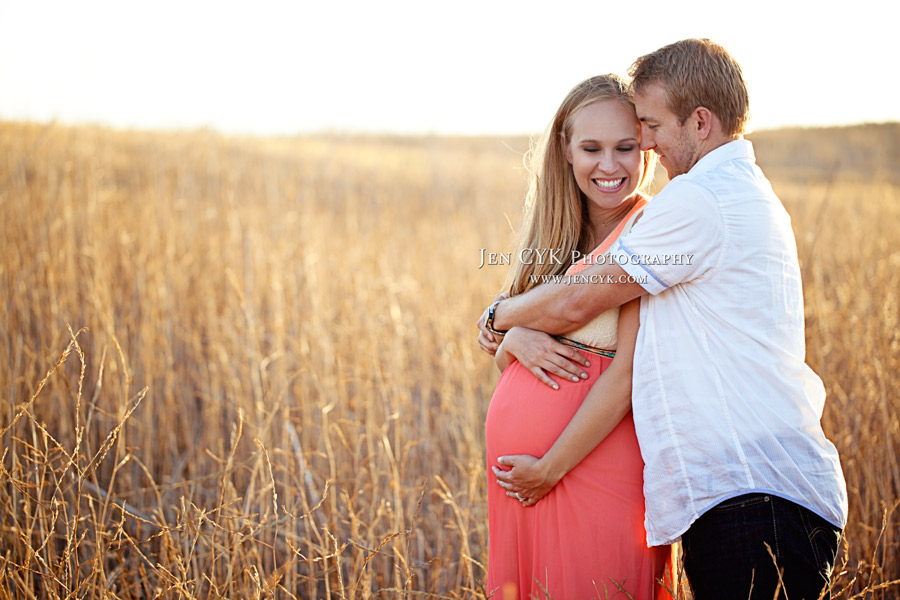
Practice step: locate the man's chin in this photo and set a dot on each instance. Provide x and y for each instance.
(669, 171)
(672, 172)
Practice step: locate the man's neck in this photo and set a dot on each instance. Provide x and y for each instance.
(711, 144)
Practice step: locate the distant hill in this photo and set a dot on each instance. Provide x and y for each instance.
(864, 151)
(867, 151)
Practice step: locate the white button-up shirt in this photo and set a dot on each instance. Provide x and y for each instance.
(723, 401)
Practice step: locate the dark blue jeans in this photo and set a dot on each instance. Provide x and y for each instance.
(725, 553)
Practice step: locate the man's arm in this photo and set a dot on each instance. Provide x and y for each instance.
(557, 308)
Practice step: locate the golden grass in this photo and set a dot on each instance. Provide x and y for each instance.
(271, 386)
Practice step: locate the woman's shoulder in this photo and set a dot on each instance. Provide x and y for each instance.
(636, 213)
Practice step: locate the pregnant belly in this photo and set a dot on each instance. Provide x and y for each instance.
(526, 416)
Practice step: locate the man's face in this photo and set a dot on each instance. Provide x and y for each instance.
(663, 133)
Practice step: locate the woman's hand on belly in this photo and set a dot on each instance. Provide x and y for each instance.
(541, 354)
(528, 479)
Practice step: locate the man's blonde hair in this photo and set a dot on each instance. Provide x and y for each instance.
(697, 72)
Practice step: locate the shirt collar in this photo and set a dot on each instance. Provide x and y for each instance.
(739, 148)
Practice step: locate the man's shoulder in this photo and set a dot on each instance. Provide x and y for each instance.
(732, 184)
(683, 193)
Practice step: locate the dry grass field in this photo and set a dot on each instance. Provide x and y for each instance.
(246, 368)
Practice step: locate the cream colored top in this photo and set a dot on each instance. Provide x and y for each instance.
(602, 331)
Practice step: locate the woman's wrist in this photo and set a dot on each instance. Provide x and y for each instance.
(503, 357)
(550, 471)
(489, 323)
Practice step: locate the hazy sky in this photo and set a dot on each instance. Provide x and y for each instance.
(446, 67)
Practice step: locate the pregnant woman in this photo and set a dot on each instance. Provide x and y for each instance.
(585, 538)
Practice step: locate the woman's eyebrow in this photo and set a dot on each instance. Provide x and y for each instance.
(622, 141)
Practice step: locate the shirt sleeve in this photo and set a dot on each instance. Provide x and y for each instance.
(679, 238)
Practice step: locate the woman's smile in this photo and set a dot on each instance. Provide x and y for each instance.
(610, 185)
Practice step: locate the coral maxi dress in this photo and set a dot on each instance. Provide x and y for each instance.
(586, 538)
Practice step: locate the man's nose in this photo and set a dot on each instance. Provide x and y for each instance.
(647, 140)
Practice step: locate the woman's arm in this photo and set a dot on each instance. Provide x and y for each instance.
(607, 402)
(541, 354)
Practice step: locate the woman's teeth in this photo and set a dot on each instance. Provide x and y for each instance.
(607, 184)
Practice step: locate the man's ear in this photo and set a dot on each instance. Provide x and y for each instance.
(703, 118)
(564, 144)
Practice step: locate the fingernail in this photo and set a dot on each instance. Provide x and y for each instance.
(584, 376)
(574, 378)
(555, 387)
(587, 363)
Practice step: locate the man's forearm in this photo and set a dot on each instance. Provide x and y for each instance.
(544, 308)
(558, 308)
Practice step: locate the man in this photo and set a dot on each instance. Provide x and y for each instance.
(726, 410)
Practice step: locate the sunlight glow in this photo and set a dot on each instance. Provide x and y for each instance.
(412, 67)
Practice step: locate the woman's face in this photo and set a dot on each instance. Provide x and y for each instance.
(605, 153)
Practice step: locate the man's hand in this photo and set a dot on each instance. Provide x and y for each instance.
(528, 479)
(487, 340)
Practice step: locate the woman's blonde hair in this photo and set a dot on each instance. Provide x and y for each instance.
(556, 217)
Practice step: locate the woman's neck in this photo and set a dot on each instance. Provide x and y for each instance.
(604, 221)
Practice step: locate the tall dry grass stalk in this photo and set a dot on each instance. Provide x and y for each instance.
(241, 368)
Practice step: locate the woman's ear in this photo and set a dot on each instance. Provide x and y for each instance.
(564, 146)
